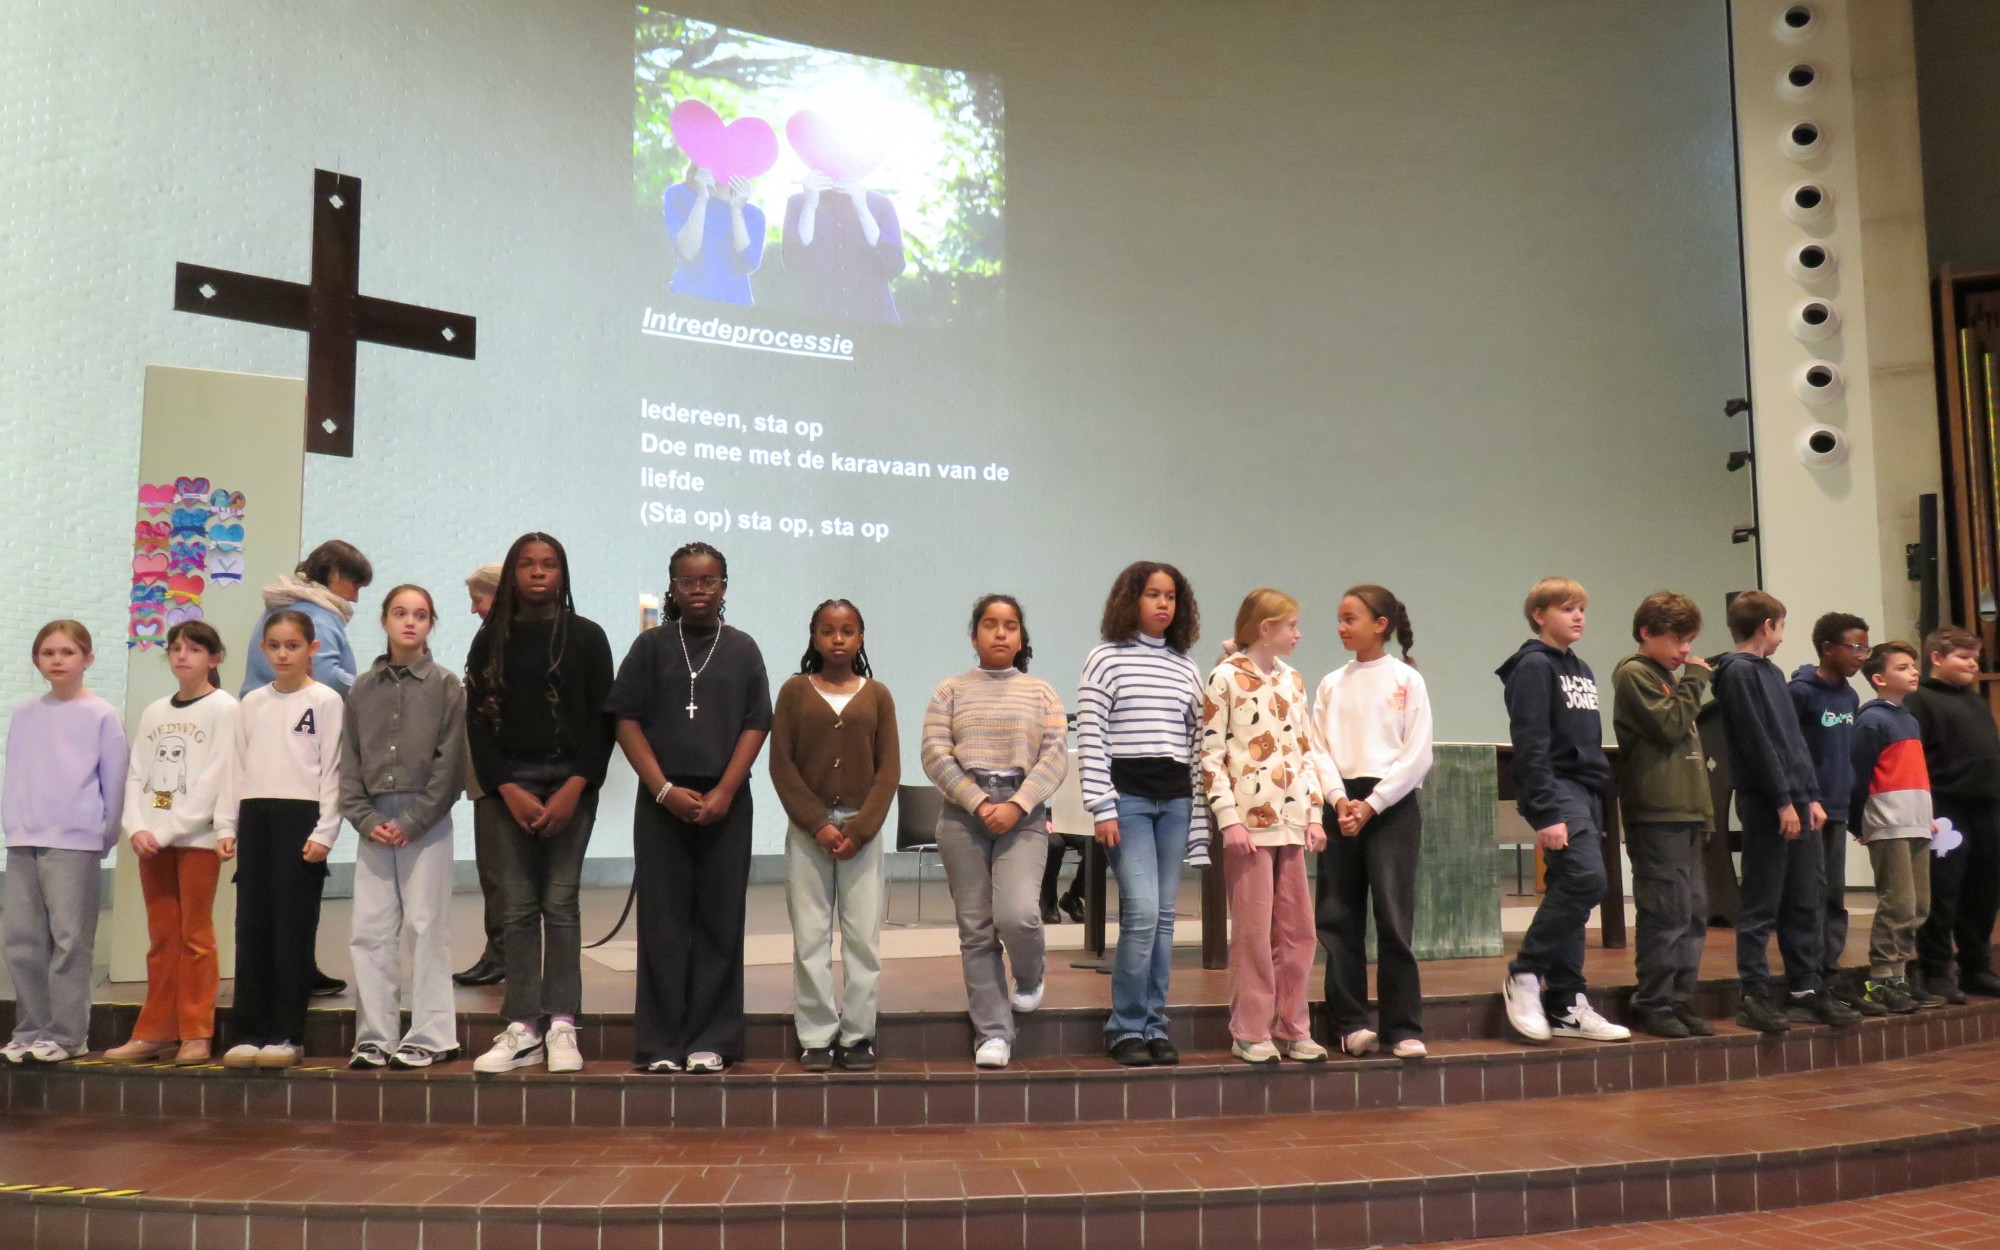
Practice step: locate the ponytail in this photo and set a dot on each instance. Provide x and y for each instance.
(1383, 605)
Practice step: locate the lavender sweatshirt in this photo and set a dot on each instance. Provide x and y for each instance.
(65, 774)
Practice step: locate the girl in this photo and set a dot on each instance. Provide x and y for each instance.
(1371, 736)
(718, 236)
(401, 764)
(182, 775)
(60, 806)
(693, 707)
(1138, 733)
(835, 764)
(1257, 768)
(994, 743)
(540, 742)
(286, 818)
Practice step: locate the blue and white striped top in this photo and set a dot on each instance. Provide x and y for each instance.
(1139, 699)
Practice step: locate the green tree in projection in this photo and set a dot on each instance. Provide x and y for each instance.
(959, 270)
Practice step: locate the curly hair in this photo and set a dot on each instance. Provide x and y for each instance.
(814, 662)
(1027, 651)
(1121, 606)
(1828, 630)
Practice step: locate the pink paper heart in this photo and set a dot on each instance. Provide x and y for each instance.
(745, 147)
(185, 586)
(148, 630)
(156, 499)
(191, 488)
(841, 152)
(154, 563)
(145, 537)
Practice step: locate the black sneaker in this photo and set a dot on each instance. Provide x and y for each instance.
(1890, 998)
(1164, 1054)
(1942, 987)
(1757, 1013)
(860, 1057)
(1696, 1026)
(1132, 1052)
(324, 986)
(1983, 983)
(1861, 1003)
(1072, 906)
(1919, 993)
(816, 1058)
(1660, 1022)
(1817, 1007)
(368, 1055)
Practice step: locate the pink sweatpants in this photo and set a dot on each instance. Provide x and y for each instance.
(1271, 937)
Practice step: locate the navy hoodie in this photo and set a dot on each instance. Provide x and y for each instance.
(1557, 734)
(1767, 752)
(1826, 716)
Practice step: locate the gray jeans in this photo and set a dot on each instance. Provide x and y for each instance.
(539, 881)
(48, 917)
(1669, 892)
(996, 887)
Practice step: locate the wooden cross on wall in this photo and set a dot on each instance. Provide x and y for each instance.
(330, 309)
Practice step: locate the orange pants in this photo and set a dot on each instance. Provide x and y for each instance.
(179, 886)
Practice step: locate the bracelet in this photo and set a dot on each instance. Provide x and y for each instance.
(661, 797)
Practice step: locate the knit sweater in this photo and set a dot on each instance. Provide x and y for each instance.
(1372, 719)
(288, 747)
(1256, 758)
(65, 774)
(995, 721)
(822, 759)
(183, 770)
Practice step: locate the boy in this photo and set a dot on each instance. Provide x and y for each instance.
(1663, 788)
(1962, 750)
(1826, 705)
(1777, 799)
(1560, 778)
(1891, 809)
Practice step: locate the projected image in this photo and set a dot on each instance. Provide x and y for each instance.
(798, 178)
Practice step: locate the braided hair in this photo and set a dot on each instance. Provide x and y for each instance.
(491, 676)
(814, 662)
(672, 609)
(1383, 605)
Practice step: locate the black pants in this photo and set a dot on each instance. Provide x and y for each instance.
(488, 824)
(1965, 891)
(1573, 880)
(691, 882)
(277, 918)
(1669, 891)
(1377, 866)
(1052, 871)
(1833, 919)
(1783, 888)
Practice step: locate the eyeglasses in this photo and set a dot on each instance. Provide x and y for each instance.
(1858, 648)
(711, 582)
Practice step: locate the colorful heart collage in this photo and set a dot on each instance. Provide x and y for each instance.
(188, 541)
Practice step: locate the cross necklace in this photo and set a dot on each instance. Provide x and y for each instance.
(694, 672)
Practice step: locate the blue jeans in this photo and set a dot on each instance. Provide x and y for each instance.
(1152, 841)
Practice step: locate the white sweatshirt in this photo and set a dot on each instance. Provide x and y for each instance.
(1372, 720)
(288, 747)
(183, 770)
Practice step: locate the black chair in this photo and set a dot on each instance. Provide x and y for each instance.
(917, 812)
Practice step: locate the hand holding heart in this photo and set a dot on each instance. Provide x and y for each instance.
(743, 148)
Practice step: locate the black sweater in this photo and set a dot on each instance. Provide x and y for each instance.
(1961, 744)
(1767, 750)
(573, 726)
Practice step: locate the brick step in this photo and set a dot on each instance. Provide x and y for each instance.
(1048, 1090)
(1392, 1176)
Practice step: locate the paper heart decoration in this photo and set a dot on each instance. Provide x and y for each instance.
(154, 499)
(141, 611)
(1944, 838)
(225, 567)
(185, 586)
(230, 535)
(190, 520)
(145, 631)
(153, 565)
(147, 536)
(192, 489)
(745, 147)
(840, 151)
(144, 593)
(186, 612)
(230, 500)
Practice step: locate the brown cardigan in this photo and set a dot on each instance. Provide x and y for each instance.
(818, 760)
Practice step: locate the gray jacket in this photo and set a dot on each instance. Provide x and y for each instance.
(404, 734)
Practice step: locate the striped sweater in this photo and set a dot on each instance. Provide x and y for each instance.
(1140, 699)
(995, 721)
(1892, 783)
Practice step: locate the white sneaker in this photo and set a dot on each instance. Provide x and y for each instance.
(994, 1052)
(1026, 1000)
(516, 1048)
(706, 1061)
(280, 1055)
(1305, 1050)
(244, 1056)
(1523, 992)
(561, 1048)
(14, 1052)
(1360, 1042)
(46, 1051)
(1583, 1021)
(1410, 1048)
(1254, 1052)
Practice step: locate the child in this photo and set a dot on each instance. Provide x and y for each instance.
(286, 819)
(1891, 809)
(182, 775)
(535, 684)
(1138, 734)
(1256, 765)
(1371, 735)
(1663, 787)
(1777, 799)
(65, 772)
(1962, 750)
(835, 764)
(401, 764)
(1826, 705)
(994, 743)
(1561, 776)
(693, 705)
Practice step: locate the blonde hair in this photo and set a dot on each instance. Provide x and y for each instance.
(486, 577)
(1261, 605)
(1553, 592)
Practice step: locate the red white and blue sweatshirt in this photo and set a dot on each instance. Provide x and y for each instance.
(1892, 784)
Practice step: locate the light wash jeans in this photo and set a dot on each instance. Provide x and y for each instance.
(1152, 841)
(816, 887)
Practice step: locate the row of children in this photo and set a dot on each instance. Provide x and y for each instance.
(1809, 765)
